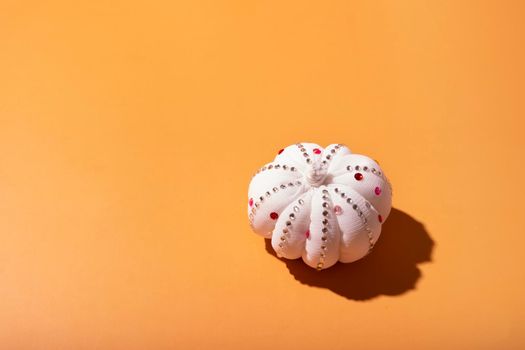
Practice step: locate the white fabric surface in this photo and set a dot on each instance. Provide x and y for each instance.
(312, 205)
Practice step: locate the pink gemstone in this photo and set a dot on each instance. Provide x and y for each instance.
(307, 233)
(338, 210)
(358, 176)
(377, 190)
(317, 151)
(380, 218)
(280, 151)
(250, 202)
(274, 215)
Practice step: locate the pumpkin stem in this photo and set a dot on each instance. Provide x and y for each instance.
(316, 173)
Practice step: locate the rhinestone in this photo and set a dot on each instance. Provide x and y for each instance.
(325, 222)
(323, 255)
(343, 195)
(280, 151)
(324, 161)
(325, 197)
(292, 168)
(281, 245)
(368, 229)
(285, 167)
(349, 168)
(325, 191)
(292, 216)
(358, 176)
(336, 190)
(332, 151)
(285, 230)
(373, 170)
(323, 247)
(317, 151)
(323, 238)
(298, 183)
(308, 160)
(290, 184)
(283, 186)
(337, 146)
(257, 204)
(277, 166)
(325, 205)
(283, 238)
(253, 209)
(296, 208)
(274, 215)
(288, 223)
(305, 154)
(357, 167)
(268, 194)
(270, 166)
(324, 230)
(261, 198)
(275, 189)
(379, 173)
(380, 218)
(349, 200)
(325, 213)
(338, 210)
(301, 201)
(367, 204)
(328, 156)
(365, 168)
(354, 206)
(377, 191)
(319, 266)
(250, 202)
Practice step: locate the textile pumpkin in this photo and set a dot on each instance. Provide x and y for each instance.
(323, 205)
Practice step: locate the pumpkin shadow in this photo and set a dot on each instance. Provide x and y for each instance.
(391, 269)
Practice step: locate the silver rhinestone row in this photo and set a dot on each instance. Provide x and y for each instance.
(268, 194)
(276, 166)
(365, 169)
(360, 214)
(333, 151)
(325, 229)
(291, 217)
(373, 171)
(304, 152)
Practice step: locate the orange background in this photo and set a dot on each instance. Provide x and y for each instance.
(129, 131)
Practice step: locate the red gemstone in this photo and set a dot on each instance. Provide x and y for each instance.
(317, 151)
(274, 215)
(377, 190)
(250, 202)
(358, 176)
(280, 151)
(380, 218)
(307, 233)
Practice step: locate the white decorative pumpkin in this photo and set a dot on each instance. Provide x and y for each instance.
(321, 205)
